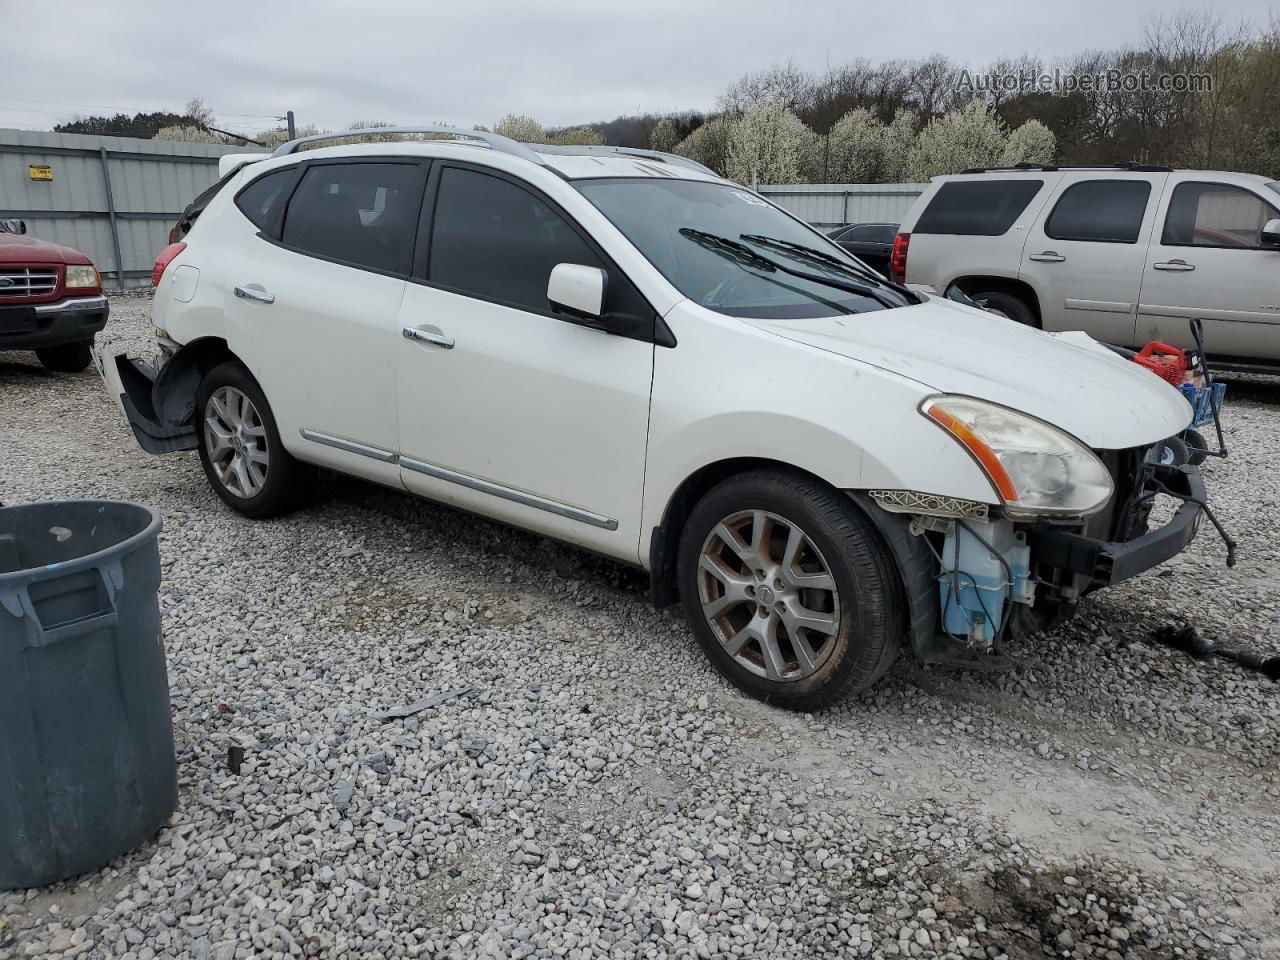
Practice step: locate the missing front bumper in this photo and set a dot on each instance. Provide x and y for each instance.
(1106, 563)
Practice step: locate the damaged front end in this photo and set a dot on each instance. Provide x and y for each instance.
(976, 576)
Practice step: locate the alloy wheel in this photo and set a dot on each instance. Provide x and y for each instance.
(768, 595)
(236, 441)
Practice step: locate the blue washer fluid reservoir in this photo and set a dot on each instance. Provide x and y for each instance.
(974, 584)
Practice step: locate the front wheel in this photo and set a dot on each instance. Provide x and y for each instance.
(240, 448)
(66, 357)
(789, 589)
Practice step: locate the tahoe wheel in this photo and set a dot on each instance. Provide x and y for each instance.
(789, 589)
(1007, 305)
(240, 448)
(66, 357)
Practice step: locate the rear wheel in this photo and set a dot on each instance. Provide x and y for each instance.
(240, 448)
(66, 357)
(789, 590)
(1007, 305)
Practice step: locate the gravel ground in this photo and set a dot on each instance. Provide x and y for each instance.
(592, 789)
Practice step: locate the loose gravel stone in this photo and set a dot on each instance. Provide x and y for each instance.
(464, 741)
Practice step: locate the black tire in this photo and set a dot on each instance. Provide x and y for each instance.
(871, 605)
(286, 482)
(67, 357)
(1197, 446)
(1015, 308)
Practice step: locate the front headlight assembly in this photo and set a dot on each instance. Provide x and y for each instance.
(1036, 468)
(81, 276)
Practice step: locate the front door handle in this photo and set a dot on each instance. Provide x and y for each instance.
(255, 294)
(1049, 256)
(426, 336)
(1175, 266)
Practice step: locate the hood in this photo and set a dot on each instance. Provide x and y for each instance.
(1068, 380)
(23, 248)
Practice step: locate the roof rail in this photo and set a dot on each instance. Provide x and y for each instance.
(572, 150)
(496, 141)
(1127, 165)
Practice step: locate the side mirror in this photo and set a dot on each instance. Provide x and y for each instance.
(577, 290)
(20, 226)
(1271, 233)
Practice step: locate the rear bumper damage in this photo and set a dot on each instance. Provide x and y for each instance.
(135, 385)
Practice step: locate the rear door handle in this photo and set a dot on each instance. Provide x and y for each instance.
(254, 294)
(1049, 256)
(426, 336)
(1176, 266)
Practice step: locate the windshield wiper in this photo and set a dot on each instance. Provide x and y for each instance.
(810, 253)
(744, 255)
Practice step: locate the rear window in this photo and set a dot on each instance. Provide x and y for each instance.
(977, 208)
(1106, 211)
(261, 198)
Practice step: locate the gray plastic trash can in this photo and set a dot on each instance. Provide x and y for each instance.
(87, 769)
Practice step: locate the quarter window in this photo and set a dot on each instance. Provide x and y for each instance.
(260, 199)
(496, 241)
(1105, 211)
(1215, 215)
(977, 208)
(361, 214)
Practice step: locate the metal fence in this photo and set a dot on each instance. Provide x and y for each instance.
(113, 198)
(832, 204)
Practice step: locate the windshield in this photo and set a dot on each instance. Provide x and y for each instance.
(730, 251)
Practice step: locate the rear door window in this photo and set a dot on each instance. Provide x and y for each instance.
(1215, 215)
(977, 208)
(359, 214)
(1105, 211)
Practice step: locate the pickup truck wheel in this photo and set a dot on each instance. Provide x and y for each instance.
(1007, 305)
(240, 448)
(789, 590)
(66, 357)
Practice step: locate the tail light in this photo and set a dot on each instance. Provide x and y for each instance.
(898, 258)
(162, 261)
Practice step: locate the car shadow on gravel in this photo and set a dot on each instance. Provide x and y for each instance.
(1251, 389)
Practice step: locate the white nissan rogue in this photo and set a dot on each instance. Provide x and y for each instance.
(619, 349)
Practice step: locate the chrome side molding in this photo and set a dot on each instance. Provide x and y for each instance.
(350, 446)
(463, 480)
(509, 493)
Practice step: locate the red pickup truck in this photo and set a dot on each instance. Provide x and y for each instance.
(50, 300)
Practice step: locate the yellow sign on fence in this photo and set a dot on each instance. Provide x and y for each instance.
(41, 171)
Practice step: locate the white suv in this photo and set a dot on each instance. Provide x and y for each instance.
(621, 350)
(1128, 254)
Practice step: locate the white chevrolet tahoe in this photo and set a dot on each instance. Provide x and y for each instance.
(1128, 254)
(621, 350)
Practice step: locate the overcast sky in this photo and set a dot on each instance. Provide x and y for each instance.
(562, 61)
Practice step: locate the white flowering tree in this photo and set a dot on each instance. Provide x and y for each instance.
(856, 148)
(708, 144)
(769, 141)
(520, 127)
(576, 136)
(665, 135)
(972, 136)
(1032, 142)
(899, 137)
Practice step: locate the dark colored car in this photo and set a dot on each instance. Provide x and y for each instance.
(50, 300)
(872, 243)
